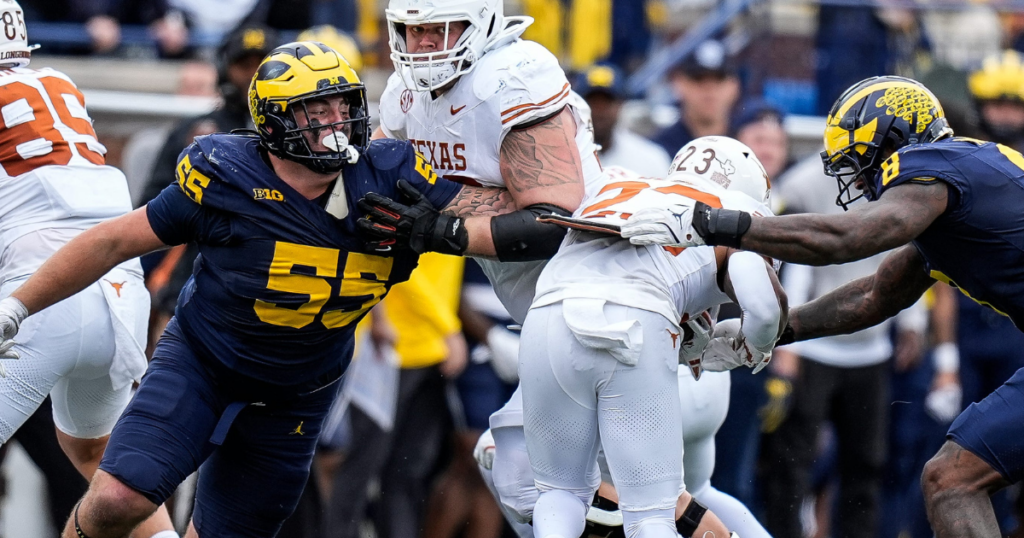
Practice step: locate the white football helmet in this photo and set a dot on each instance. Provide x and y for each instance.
(487, 29)
(14, 48)
(724, 161)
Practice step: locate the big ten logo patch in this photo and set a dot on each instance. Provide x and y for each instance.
(442, 155)
(267, 194)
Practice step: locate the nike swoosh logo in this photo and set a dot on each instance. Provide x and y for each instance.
(457, 110)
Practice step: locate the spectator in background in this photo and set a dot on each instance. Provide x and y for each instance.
(842, 379)
(738, 442)
(602, 86)
(220, 16)
(707, 86)
(238, 58)
(461, 503)
(997, 89)
(302, 14)
(103, 20)
(431, 348)
(340, 41)
(759, 125)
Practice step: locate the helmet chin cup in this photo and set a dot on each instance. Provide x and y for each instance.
(431, 76)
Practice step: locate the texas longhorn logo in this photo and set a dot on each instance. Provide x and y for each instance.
(116, 285)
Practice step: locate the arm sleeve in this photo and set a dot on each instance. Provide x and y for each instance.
(756, 297)
(176, 220)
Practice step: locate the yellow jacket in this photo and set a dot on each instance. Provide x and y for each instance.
(424, 310)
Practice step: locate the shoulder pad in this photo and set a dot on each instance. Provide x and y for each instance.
(387, 153)
(517, 66)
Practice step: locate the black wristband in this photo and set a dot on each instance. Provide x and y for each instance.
(687, 523)
(448, 236)
(788, 336)
(718, 226)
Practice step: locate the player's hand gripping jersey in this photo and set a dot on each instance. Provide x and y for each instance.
(677, 283)
(978, 243)
(283, 282)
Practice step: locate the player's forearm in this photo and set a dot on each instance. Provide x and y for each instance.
(481, 243)
(85, 259)
(811, 239)
(898, 283)
(846, 310)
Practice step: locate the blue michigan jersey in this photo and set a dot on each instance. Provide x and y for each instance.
(977, 245)
(279, 283)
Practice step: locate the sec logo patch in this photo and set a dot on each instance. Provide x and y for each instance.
(406, 100)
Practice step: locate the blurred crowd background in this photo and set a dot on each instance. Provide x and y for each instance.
(830, 442)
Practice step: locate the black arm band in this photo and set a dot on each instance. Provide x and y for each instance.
(518, 237)
(788, 336)
(687, 523)
(722, 227)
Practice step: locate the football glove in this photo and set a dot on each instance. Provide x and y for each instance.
(944, 403)
(729, 349)
(12, 313)
(696, 335)
(417, 225)
(670, 226)
(483, 452)
(504, 346)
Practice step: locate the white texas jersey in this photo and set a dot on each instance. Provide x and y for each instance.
(674, 282)
(460, 133)
(52, 171)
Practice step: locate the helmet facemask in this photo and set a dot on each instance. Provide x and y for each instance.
(847, 166)
(321, 145)
(428, 71)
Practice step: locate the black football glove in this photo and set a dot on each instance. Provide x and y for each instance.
(417, 226)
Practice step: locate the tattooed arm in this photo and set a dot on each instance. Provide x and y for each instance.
(478, 205)
(481, 202)
(541, 164)
(900, 215)
(865, 302)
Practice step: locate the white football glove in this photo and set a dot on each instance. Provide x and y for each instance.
(729, 349)
(671, 226)
(504, 345)
(483, 452)
(12, 312)
(943, 404)
(691, 350)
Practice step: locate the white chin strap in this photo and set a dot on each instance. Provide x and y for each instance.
(338, 142)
